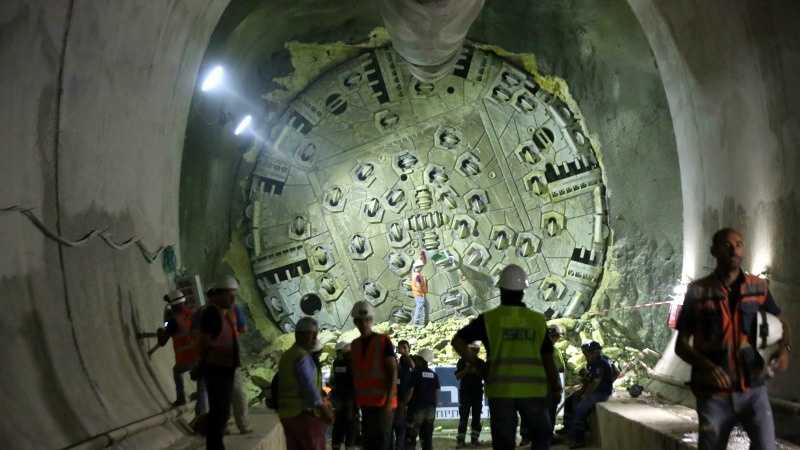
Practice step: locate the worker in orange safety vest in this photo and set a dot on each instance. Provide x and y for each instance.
(178, 327)
(374, 370)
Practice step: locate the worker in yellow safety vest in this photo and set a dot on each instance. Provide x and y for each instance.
(304, 414)
(521, 372)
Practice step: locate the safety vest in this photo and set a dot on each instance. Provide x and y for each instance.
(722, 333)
(515, 341)
(369, 372)
(291, 399)
(183, 340)
(419, 285)
(223, 350)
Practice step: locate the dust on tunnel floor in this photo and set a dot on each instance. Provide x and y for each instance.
(264, 438)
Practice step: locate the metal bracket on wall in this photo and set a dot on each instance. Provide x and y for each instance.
(149, 256)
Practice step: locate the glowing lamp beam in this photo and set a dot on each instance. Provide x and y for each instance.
(244, 125)
(213, 80)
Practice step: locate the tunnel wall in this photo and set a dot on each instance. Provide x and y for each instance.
(730, 71)
(93, 104)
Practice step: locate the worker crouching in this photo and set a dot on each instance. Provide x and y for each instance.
(520, 363)
(303, 413)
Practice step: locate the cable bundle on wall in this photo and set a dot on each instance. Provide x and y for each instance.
(149, 256)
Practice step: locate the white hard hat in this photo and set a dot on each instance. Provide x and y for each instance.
(773, 333)
(427, 355)
(227, 283)
(176, 296)
(363, 310)
(513, 278)
(418, 263)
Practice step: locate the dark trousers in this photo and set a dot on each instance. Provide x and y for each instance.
(422, 425)
(719, 413)
(345, 425)
(533, 412)
(180, 390)
(399, 428)
(219, 385)
(469, 403)
(579, 409)
(304, 432)
(376, 428)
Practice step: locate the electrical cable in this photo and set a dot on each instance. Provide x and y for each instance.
(103, 234)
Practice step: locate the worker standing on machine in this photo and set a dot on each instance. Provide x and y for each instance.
(720, 315)
(178, 327)
(374, 369)
(520, 363)
(419, 289)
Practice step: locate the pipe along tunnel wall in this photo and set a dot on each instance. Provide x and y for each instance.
(694, 105)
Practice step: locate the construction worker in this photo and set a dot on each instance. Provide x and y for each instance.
(239, 400)
(555, 333)
(470, 396)
(718, 337)
(374, 369)
(419, 289)
(303, 412)
(422, 396)
(219, 357)
(405, 369)
(597, 387)
(520, 363)
(178, 327)
(345, 427)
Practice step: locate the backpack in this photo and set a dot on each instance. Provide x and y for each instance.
(271, 398)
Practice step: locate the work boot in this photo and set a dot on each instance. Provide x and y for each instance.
(461, 444)
(475, 443)
(525, 443)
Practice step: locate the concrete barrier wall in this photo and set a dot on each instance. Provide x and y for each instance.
(93, 104)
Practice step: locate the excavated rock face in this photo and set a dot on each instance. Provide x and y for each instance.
(619, 343)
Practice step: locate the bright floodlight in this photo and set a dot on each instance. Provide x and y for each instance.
(213, 79)
(244, 125)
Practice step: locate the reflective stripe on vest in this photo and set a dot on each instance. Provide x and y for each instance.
(291, 401)
(222, 349)
(369, 372)
(720, 342)
(183, 341)
(515, 341)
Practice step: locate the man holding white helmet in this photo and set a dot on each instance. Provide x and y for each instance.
(521, 371)
(719, 337)
(374, 369)
(419, 289)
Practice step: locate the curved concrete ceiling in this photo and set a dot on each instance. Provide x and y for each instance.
(95, 100)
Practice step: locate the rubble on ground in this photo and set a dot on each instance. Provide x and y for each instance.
(619, 344)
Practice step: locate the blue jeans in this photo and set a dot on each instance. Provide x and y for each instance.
(420, 318)
(582, 408)
(503, 420)
(719, 413)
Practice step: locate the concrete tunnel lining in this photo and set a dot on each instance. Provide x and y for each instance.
(100, 147)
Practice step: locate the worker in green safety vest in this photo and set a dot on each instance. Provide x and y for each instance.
(521, 373)
(304, 414)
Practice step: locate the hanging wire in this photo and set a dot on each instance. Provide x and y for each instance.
(103, 234)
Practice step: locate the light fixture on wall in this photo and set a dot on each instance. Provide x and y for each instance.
(244, 125)
(213, 79)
